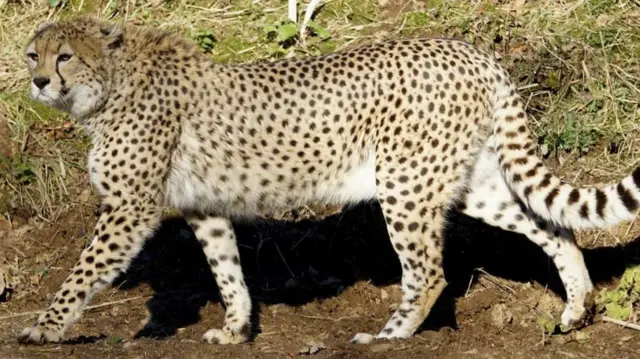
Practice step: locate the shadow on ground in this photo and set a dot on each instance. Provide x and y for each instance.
(297, 262)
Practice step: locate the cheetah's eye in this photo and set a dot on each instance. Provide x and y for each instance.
(33, 56)
(64, 57)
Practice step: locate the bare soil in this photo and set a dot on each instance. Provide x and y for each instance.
(316, 284)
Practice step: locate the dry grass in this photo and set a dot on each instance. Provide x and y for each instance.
(577, 63)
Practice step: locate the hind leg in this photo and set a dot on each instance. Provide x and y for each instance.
(415, 230)
(490, 200)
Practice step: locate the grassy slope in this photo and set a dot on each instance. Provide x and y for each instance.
(577, 63)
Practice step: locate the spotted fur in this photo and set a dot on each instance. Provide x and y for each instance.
(420, 125)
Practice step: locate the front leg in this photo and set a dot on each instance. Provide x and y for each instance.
(219, 245)
(123, 226)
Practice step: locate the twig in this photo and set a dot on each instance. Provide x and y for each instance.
(106, 304)
(496, 281)
(316, 317)
(37, 312)
(284, 261)
(621, 322)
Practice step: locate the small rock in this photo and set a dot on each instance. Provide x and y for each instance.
(626, 338)
(114, 311)
(312, 347)
(382, 347)
(582, 336)
(35, 279)
(501, 316)
(384, 295)
(604, 20)
(84, 196)
(383, 3)
(5, 225)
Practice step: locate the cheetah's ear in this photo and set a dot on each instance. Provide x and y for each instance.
(43, 26)
(112, 36)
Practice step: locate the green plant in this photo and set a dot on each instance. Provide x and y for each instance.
(23, 172)
(205, 39)
(573, 137)
(603, 38)
(57, 3)
(319, 31)
(417, 19)
(618, 303)
(281, 32)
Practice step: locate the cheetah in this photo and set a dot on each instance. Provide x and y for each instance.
(421, 125)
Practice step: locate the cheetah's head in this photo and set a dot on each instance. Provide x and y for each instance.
(69, 63)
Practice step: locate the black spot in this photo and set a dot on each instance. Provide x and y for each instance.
(574, 196)
(584, 211)
(601, 202)
(551, 197)
(627, 199)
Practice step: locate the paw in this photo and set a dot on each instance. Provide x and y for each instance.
(577, 316)
(362, 338)
(365, 338)
(224, 336)
(573, 317)
(39, 335)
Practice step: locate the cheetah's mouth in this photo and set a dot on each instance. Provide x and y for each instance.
(62, 100)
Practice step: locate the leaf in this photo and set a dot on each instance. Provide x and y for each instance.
(275, 49)
(312, 348)
(205, 39)
(582, 336)
(270, 28)
(287, 31)
(617, 311)
(111, 8)
(54, 3)
(114, 339)
(417, 19)
(318, 30)
(547, 324)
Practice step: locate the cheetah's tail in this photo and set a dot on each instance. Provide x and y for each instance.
(543, 192)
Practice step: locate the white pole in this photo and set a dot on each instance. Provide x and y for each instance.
(313, 4)
(293, 11)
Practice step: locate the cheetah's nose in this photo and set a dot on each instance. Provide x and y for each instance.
(41, 82)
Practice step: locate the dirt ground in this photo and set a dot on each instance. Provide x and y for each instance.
(316, 284)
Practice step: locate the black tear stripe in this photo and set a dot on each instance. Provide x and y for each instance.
(62, 80)
(626, 198)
